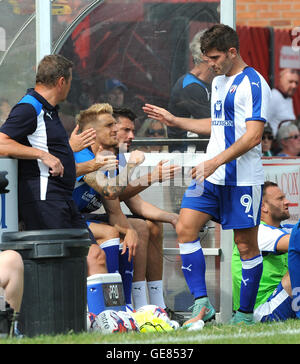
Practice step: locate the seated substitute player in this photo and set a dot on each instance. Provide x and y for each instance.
(79, 141)
(148, 262)
(90, 195)
(274, 297)
(227, 186)
(93, 117)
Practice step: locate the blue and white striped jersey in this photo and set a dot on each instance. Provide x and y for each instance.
(236, 100)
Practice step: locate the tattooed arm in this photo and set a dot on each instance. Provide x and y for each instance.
(111, 188)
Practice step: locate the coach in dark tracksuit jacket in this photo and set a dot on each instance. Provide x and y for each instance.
(34, 134)
(190, 96)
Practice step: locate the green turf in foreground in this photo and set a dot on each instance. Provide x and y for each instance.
(273, 333)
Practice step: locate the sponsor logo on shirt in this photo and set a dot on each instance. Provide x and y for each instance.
(222, 123)
(218, 109)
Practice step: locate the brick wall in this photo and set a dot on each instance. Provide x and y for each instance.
(275, 13)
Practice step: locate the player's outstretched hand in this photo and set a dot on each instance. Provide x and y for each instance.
(160, 114)
(136, 157)
(82, 140)
(105, 160)
(164, 172)
(203, 170)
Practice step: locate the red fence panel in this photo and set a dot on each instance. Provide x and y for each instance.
(254, 48)
(255, 44)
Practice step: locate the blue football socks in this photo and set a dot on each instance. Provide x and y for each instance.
(126, 271)
(251, 273)
(111, 249)
(194, 267)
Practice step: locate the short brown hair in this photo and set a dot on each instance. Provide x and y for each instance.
(125, 112)
(220, 37)
(268, 184)
(51, 68)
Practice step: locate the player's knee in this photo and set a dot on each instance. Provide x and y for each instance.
(12, 260)
(145, 230)
(96, 257)
(101, 258)
(245, 250)
(142, 229)
(242, 248)
(112, 233)
(156, 228)
(185, 233)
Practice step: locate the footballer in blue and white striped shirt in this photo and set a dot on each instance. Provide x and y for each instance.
(227, 185)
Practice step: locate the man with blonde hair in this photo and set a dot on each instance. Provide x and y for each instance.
(99, 188)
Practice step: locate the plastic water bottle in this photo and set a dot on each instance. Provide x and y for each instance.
(174, 324)
(198, 325)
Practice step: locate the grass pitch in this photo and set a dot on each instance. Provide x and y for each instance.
(287, 332)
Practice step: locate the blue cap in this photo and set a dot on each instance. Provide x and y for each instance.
(114, 83)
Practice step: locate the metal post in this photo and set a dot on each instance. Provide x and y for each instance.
(225, 276)
(272, 57)
(228, 13)
(228, 17)
(43, 29)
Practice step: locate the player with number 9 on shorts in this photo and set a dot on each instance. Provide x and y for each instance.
(227, 186)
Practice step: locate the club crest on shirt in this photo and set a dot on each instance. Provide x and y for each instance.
(232, 89)
(218, 109)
